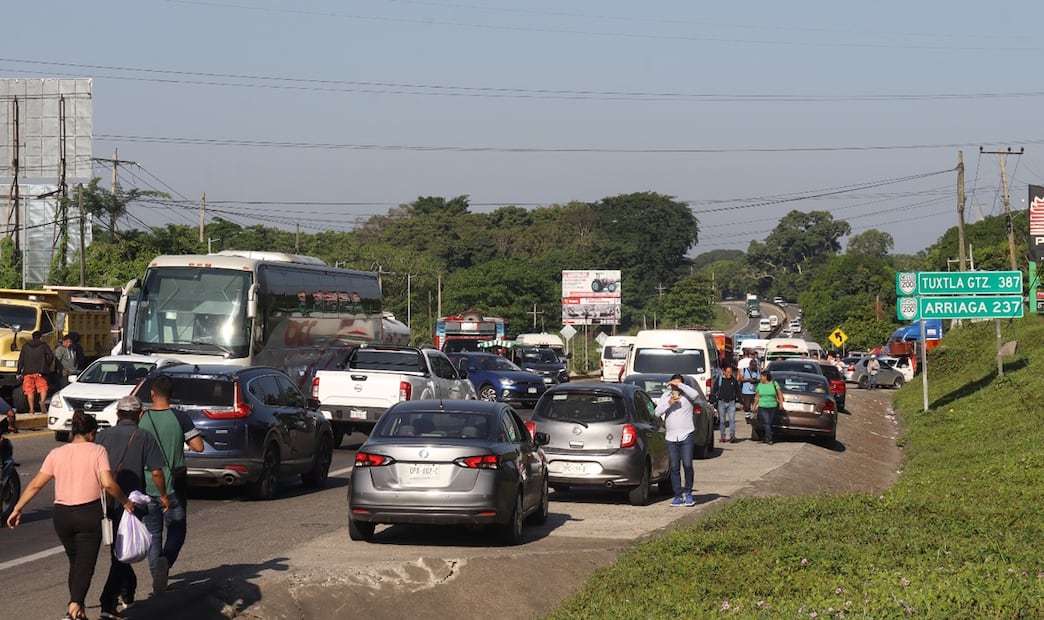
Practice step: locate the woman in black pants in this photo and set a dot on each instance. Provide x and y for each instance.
(80, 469)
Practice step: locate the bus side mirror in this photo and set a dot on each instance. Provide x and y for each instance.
(251, 309)
(125, 296)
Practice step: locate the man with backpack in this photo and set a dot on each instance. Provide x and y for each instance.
(724, 395)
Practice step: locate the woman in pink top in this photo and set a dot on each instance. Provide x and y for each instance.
(80, 469)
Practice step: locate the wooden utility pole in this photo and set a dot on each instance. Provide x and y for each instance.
(14, 199)
(1007, 199)
(115, 161)
(83, 233)
(960, 208)
(202, 215)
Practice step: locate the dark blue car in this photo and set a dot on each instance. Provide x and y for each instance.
(496, 378)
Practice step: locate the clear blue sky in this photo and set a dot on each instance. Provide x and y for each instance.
(543, 102)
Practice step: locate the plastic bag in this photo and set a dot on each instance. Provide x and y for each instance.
(132, 540)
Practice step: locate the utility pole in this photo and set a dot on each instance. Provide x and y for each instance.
(115, 161)
(660, 287)
(535, 313)
(83, 232)
(960, 208)
(1007, 199)
(202, 215)
(14, 199)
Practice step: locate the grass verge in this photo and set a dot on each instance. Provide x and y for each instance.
(959, 535)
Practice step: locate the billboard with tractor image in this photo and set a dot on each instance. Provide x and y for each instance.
(591, 297)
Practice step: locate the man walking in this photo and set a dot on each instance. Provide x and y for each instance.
(132, 453)
(749, 378)
(676, 406)
(65, 361)
(872, 368)
(724, 395)
(34, 364)
(172, 429)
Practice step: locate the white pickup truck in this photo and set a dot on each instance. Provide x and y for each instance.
(356, 394)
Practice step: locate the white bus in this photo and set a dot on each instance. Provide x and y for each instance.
(290, 312)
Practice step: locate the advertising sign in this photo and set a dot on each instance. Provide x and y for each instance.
(1036, 223)
(591, 297)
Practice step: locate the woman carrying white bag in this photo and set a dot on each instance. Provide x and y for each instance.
(132, 452)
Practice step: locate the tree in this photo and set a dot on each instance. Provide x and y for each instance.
(871, 242)
(105, 204)
(801, 242)
(689, 302)
(855, 292)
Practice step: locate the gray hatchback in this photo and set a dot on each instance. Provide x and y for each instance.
(603, 435)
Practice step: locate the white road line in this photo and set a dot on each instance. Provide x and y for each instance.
(32, 558)
(346, 470)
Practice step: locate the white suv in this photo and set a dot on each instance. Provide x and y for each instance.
(100, 385)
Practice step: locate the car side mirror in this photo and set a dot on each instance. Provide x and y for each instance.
(542, 439)
(463, 374)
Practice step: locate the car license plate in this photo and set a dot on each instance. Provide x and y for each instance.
(574, 468)
(532, 390)
(357, 414)
(422, 472)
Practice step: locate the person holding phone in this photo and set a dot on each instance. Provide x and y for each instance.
(676, 406)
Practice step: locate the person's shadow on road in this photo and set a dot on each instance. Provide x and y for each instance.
(215, 593)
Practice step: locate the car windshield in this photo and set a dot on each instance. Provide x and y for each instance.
(584, 407)
(540, 356)
(670, 361)
(115, 372)
(434, 424)
(495, 362)
(803, 384)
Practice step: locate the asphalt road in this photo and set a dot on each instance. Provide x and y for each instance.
(292, 558)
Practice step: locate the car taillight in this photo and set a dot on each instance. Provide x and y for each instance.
(828, 407)
(239, 410)
(531, 427)
(710, 382)
(315, 387)
(367, 459)
(405, 390)
(486, 461)
(629, 436)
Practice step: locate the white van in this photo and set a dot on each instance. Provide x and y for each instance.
(816, 352)
(614, 356)
(765, 325)
(757, 345)
(785, 348)
(685, 351)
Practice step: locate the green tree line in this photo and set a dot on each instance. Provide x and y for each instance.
(508, 262)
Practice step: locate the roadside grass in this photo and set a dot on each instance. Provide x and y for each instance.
(959, 535)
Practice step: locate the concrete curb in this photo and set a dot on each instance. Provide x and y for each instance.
(31, 422)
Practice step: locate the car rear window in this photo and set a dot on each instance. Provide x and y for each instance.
(830, 372)
(803, 384)
(405, 361)
(670, 361)
(434, 424)
(586, 407)
(616, 352)
(205, 392)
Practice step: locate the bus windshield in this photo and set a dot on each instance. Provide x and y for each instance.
(193, 310)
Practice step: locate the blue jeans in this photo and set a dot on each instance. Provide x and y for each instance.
(727, 417)
(871, 382)
(767, 414)
(177, 526)
(680, 455)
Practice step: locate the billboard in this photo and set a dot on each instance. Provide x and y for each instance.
(41, 231)
(1036, 223)
(46, 110)
(591, 297)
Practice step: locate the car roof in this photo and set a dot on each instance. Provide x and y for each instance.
(135, 357)
(622, 389)
(450, 405)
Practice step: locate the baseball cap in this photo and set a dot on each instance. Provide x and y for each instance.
(129, 403)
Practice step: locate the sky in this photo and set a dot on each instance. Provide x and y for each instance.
(319, 114)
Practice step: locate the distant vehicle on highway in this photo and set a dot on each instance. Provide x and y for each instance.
(779, 301)
(447, 463)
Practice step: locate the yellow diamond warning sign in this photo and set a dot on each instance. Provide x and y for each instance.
(838, 337)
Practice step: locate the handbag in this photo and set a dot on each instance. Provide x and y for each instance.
(106, 522)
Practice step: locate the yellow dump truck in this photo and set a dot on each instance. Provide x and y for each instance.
(55, 311)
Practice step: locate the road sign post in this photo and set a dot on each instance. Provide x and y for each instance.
(958, 295)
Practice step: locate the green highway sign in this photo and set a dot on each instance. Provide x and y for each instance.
(960, 307)
(914, 283)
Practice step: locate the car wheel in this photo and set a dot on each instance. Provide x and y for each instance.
(265, 486)
(639, 495)
(338, 437)
(898, 383)
(360, 530)
(540, 516)
(320, 471)
(488, 394)
(863, 382)
(511, 532)
(664, 486)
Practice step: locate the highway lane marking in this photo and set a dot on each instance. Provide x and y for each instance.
(39, 555)
(346, 470)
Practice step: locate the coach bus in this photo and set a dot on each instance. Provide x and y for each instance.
(290, 312)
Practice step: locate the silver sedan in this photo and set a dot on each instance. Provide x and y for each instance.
(449, 462)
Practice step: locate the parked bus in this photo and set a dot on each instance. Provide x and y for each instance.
(290, 312)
